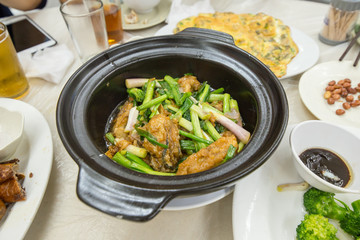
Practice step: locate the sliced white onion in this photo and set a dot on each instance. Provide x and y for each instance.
(133, 114)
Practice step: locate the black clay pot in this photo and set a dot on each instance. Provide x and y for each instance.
(98, 86)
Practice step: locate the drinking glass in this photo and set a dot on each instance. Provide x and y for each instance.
(86, 23)
(114, 29)
(13, 83)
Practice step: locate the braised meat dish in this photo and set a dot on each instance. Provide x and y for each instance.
(174, 126)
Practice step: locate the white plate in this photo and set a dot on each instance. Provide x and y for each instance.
(260, 211)
(189, 202)
(146, 20)
(312, 88)
(35, 154)
(306, 58)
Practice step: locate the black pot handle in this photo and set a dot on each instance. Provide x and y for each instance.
(118, 199)
(208, 34)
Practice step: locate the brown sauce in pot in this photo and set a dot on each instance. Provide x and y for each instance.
(327, 165)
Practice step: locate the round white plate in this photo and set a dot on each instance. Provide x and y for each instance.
(312, 88)
(36, 155)
(146, 20)
(261, 212)
(189, 202)
(306, 58)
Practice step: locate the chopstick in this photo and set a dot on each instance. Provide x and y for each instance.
(353, 41)
(357, 59)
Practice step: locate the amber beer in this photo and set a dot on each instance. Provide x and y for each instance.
(13, 83)
(113, 22)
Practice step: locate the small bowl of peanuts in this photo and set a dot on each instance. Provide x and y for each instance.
(331, 91)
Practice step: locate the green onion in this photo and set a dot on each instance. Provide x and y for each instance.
(229, 154)
(152, 102)
(196, 126)
(186, 106)
(196, 138)
(218, 91)
(136, 159)
(241, 146)
(149, 91)
(122, 160)
(212, 131)
(138, 151)
(204, 94)
(110, 137)
(226, 103)
(184, 97)
(174, 86)
(216, 97)
(187, 145)
(150, 137)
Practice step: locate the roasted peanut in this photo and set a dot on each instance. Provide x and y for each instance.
(351, 90)
(340, 111)
(346, 85)
(346, 105)
(337, 91)
(327, 94)
(349, 98)
(329, 88)
(356, 103)
(357, 89)
(347, 80)
(330, 101)
(344, 92)
(332, 83)
(341, 82)
(336, 96)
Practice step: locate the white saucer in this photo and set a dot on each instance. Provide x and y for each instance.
(189, 202)
(146, 20)
(312, 88)
(35, 153)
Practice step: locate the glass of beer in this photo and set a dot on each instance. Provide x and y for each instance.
(13, 83)
(114, 29)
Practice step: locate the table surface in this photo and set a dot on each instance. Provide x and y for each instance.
(63, 216)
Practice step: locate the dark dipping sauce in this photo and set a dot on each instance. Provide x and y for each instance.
(327, 165)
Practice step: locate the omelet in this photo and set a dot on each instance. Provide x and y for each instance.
(261, 35)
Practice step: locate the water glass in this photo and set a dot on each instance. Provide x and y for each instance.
(86, 23)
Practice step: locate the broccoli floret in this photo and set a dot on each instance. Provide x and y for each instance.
(351, 222)
(137, 94)
(315, 227)
(324, 203)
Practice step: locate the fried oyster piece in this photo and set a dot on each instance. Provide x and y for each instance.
(166, 131)
(208, 157)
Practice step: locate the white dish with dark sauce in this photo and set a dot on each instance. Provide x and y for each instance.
(331, 137)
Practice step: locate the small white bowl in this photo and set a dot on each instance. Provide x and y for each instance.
(321, 134)
(11, 131)
(141, 6)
